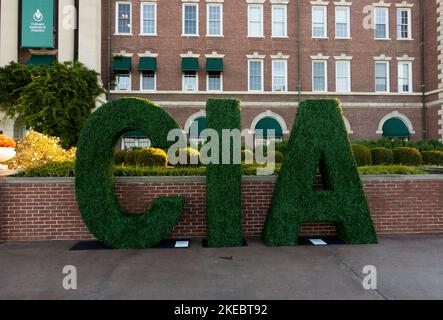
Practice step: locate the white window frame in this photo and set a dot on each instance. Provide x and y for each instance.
(409, 11)
(261, 20)
(183, 82)
(117, 87)
(348, 22)
(221, 83)
(117, 6)
(141, 82)
(142, 5)
(220, 5)
(410, 82)
(285, 28)
(262, 75)
(348, 76)
(325, 27)
(386, 9)
(388, 76)
(285, 74)
(325, 62)
(184, 34)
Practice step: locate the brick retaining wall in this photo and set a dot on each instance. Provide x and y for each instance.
(46, 209)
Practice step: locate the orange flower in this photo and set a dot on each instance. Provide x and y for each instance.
(6, 142)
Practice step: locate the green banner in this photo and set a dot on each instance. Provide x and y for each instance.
(37, 23)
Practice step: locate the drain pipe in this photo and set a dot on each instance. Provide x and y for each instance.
(109, 51)
(298, 52)
(424, 110)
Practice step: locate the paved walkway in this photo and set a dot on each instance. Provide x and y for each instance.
(408, 267)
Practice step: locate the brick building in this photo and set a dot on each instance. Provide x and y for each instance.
(382, 59)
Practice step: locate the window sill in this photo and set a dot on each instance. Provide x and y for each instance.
(214, 36)
(280, 37)
(148, 35)
(405, 39)
(340, 38)
(257, 37)
(191, 35)
(321, 38)
(123, 34)
(383, 39)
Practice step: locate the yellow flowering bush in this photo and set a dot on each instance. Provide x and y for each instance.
(37, 149)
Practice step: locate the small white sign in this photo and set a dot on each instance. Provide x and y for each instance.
(318, 242)
(182, 244)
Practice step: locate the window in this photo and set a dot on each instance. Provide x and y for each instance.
(214, 81)
(343, 76)
(279, 21)
(215, 20)
(190, 82)
(124, 24)
(405, 76)
(148, 19)
(279, 75)
(319, 22)
(190, 19)
(404, 23)
(255, 20)
(148, 81)
(319, 77)
(381, 23)
(123, 80)
(382, 76)
(342, 23)
(255, 68)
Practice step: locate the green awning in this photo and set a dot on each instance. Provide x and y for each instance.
(122, 64)
(395, 127)
(135, 134)
(37, 60)
(190, 64)
(197, 127)
(214, 64)
(266, 124)
(147, 64)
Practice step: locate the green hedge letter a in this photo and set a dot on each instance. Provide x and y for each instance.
(319, 142)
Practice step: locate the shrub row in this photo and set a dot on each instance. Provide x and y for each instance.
(66, 169)
(427, 145)
(365, 156)
(152, 157)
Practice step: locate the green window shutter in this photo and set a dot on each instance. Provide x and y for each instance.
(266, 124)
(214, 65)
(395, 127)
(147, 64)
(198, 125)
(135, 134)
(40, 60)
(190, 64)
(122, 64)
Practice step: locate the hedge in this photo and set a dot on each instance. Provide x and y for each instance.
(94, 180)
(381, 155)
(407, 156)
(66, 169)
(151, 157)
(318, 140)
(362, 155)
(433, 157)
(424, 145)
(192, 157)
(223, 189)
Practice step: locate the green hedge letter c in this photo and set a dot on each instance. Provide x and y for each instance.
(94, 180)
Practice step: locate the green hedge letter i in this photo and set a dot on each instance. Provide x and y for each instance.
(319, 144)
(223, 194)
(94, 178)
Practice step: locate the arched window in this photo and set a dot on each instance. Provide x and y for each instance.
(195, 130)
(395, 128)
(263, 130)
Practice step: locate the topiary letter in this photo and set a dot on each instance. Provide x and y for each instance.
(319, 140)
(223, 194)
(94, 179)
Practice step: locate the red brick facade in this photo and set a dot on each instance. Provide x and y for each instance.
(363, 108)
(41, 209)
